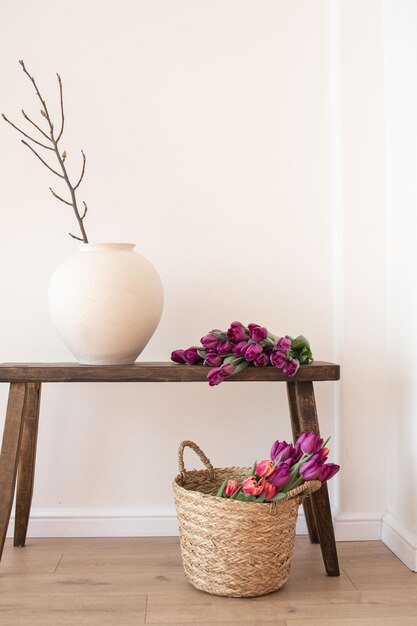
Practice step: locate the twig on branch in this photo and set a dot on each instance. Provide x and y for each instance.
(36, 126)
(41, 159)
(61, 156)
(59, 197)
(62, 107)
(24, 134)
(83, 170)
(75, 237)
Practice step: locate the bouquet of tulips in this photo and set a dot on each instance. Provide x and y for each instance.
(289, 466)
(231, 351)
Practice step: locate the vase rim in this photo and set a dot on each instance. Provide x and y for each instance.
(89, 247)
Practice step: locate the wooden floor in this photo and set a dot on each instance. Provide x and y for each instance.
(118, 582)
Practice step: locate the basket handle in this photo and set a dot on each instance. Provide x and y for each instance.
(199, 453)
(303, 490)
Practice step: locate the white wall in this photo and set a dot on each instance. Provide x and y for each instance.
(206, 127)
(243, 146)
(400, 522)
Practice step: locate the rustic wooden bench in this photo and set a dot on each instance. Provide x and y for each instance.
(18, 452)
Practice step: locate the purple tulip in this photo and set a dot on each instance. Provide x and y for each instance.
(214, 377)
(227, 369)
(240, 348)
(309, 443)
(224, 347)
(277, 359)
(328, 471)
(261, 360)
(311, 470)
(191, 355)
(178, 356)
(280, 476)
(258, 333)
(254, 350)
(209, 341)
(217, 375)
(213, 359)
(283, 344)
(237, 332)
(280, 449)
(291, 367)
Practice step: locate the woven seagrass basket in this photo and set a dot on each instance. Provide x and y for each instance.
(232, 548)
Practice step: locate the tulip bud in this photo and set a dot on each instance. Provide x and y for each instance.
(261, 360)
(281, 475)
(291, 367)
(311, 470)
(252, 487)
(281, 449)
(265, 468)
(231, 487)
(254, 350)
(209, 341)
(240, 348)
(224, 347)
(270, 490)
(191, 355)
(328, 471)
(310, 443)
(283, 344)
(237, 332)
(257, 333)
(277, 359)
(178, 356)
(213, 359)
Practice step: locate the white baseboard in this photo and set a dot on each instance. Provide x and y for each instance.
(109, 523)
(401, 542)
(365, 526)
(147, 522)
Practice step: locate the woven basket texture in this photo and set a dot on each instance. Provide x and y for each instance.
(232, 548)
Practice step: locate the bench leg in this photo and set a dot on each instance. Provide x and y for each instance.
(296, 431)
(27, 457)
(303, 406)
(9, 456)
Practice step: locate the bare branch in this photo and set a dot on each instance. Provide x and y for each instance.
(74, 237)
(61, 157)
(41, 159)
(62, 108)
(83, 170)
(36, 126)
(24, 134)
(59, 197)
(45, 112)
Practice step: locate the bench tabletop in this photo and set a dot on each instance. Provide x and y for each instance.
(154, 372)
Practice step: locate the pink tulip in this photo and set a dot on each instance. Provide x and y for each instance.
(265, 468)
(231, 487)
(258, 333)
(283, 344)
(270, 490)
(277, 359)
(237, 332)
(252, 487)
(291, 367)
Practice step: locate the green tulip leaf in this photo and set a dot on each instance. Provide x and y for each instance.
(278, 496)
(223, 485)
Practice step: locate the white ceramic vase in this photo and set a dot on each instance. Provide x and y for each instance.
(106, 302)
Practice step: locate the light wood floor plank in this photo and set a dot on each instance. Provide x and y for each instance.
(359, 621)
(383, 577)
(101, 582)
(72, 610)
